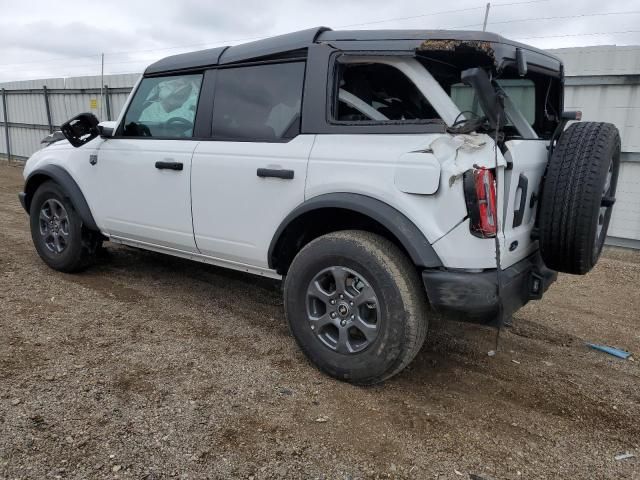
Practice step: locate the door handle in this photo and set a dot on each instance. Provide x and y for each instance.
(275, 173)
(523, 186)
(169, 165)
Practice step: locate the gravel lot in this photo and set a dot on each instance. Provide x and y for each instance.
(152, 367)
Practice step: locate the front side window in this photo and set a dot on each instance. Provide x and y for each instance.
(377, 92)
(164, 107)
(260, 102)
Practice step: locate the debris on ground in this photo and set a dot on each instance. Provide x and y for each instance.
(616, 352)
(624, 456)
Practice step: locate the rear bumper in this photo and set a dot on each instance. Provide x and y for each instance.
(473, 296)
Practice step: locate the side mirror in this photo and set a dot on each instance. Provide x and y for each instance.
(106, 129)
(491, 105)
(80, 129)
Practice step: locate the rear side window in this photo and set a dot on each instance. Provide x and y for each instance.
(376, 92)
(164, 107)
(258, 103)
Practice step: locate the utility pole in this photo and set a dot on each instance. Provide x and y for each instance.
(102, 83)
(486, 17)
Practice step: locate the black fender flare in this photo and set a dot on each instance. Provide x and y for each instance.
(67, 183)
(412, 239)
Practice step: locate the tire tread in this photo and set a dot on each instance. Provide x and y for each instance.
(408, 283)
(571, 196)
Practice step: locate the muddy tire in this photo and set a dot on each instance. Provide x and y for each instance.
(57, 231)
(355, 305)
(577, 196)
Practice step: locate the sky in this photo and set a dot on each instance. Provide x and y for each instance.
(44, 39)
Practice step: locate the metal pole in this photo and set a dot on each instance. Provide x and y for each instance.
(486, 17)
(107, 98)
(101, 84)
(47, 107)
(6, 123)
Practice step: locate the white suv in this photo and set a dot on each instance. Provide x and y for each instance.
(381, 174)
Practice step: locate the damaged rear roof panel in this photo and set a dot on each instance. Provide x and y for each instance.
(493, 48)
(498, 49)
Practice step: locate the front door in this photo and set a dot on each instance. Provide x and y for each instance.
(140, 183)
(252, 173)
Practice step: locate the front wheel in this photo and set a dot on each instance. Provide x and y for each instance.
(57, 230)
(355, 305)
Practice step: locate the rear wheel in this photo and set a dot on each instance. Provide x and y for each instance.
(57, 231)
(355, 305)
(578, 196)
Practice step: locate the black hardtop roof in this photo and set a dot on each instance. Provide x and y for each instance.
(303, 39)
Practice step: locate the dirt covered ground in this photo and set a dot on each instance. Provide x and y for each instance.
(150, 367)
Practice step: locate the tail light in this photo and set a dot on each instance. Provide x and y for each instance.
(480, 196)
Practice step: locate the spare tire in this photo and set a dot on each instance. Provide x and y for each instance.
(578, 195)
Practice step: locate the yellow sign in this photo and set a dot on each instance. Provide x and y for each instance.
(93, 104)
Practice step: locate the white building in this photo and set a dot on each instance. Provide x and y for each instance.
(604, 83)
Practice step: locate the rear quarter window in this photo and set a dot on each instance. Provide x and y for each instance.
(377, 92)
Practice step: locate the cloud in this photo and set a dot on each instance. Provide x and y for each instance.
(64, 39)
(40, 41)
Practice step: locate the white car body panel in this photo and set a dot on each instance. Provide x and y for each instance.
(135, 200)
(235, 212)
(368, 165)
(462, 250)
(528, 157)
(417, 172)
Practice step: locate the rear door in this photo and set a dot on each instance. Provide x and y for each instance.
(252, 173)
(140, 181)
(526, 159)
(526, 156)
